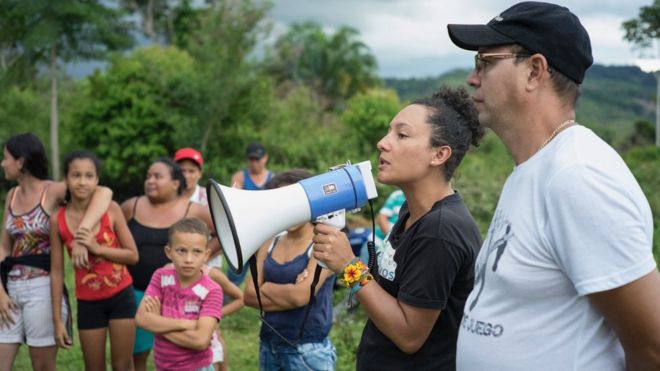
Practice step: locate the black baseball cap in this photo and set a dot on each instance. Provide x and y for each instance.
(255, 150)
(544, 28)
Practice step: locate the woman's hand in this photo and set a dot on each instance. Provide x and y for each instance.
(301, 276)
(62, 338)
(6, 308)
(79, 256)
(331, 247)
(86, 237)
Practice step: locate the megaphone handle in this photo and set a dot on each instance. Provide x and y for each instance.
(336, 219)
(320, 263)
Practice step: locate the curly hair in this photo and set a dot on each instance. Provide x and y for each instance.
(454, 122)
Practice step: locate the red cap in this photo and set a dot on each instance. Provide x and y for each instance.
(189, 154)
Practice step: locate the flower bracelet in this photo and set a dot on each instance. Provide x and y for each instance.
(353, 272)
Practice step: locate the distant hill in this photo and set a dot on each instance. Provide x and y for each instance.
(613, 97)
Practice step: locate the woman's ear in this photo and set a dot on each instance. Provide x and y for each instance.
(21, 162)
(440, 155)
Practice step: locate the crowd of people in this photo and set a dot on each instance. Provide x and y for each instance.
(565, 278)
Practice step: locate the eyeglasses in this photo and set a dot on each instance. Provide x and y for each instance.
(481, 60)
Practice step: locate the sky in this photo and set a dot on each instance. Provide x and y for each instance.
(409, 37)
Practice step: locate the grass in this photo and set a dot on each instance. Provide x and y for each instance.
(240, 332)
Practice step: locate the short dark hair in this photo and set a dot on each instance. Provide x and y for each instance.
(28, 147)
(189, 225)
(175, 172)
(567, 89)
(454, 122)
(292, 176)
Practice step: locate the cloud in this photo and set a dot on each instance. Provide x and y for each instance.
(409, 37)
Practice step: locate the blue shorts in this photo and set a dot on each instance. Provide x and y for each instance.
(278, 355)
(144, 340)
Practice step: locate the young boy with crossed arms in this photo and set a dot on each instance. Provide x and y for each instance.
(182, 305)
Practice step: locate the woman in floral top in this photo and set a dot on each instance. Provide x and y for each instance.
(25, 299)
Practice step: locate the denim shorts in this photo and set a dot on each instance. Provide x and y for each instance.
(275, 355)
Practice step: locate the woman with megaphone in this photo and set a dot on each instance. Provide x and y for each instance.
(425, 266)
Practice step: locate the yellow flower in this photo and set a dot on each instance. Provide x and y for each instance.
(351, 273)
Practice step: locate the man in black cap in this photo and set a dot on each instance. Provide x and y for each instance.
(254, 177)
(566, 279)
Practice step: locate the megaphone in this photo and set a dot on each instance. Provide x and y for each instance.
(244, 220)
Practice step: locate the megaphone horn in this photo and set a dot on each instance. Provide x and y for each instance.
(244, 220)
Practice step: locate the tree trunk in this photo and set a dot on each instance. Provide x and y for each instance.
(207, 135)
(657, 109)
(657, 98)
(149, 28)
(54, 140)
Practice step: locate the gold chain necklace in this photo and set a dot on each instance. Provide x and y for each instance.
(555, 132)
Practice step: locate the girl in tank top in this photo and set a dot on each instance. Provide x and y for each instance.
(285, 270)
(106, 303)
(25, 297)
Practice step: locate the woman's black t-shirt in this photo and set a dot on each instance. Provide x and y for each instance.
(430, 265)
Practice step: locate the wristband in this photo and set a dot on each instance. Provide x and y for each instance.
(357, 286)
(363, 282)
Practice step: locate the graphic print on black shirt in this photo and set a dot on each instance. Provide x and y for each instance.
(429, 265)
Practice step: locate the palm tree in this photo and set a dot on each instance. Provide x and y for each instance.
(335, 66)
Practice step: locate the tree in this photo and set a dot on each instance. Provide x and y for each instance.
(296, 137)
(368, 116)
(335, 67)
(643, 32)
(228, 33)
(150, 14)
(643, 162)
(141, 108)
(46, 32)
(643, 135)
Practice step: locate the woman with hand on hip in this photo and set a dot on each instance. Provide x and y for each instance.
(25, 298)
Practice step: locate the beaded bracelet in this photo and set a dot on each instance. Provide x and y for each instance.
(353, 272)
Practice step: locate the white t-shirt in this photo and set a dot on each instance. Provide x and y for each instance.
(199, 196)
(571, 221)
